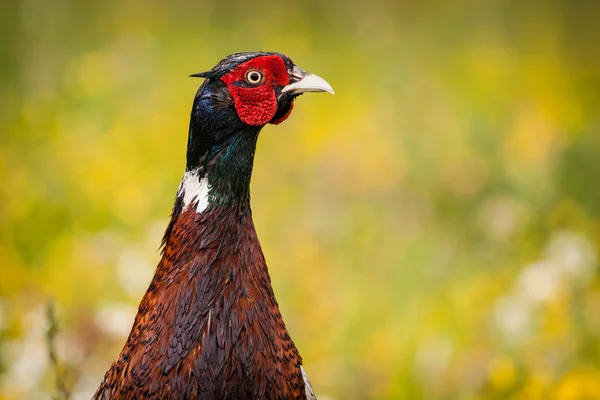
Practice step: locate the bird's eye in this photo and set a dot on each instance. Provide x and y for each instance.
(253, 77)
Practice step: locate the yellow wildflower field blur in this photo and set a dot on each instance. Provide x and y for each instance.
(432, 230)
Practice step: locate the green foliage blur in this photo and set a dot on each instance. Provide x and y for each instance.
(432, 230)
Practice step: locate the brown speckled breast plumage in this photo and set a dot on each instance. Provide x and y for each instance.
(211, 327)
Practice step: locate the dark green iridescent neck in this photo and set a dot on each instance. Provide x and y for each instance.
(228, 167)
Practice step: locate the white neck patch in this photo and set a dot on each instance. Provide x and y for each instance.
(193, 188)
(308, 390)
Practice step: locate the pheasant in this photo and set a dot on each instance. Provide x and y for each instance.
(209, 326)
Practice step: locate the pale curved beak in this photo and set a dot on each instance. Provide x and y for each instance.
(305, 82)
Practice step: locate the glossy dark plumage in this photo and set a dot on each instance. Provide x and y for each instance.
(209, 326)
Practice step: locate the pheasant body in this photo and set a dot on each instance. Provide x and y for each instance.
(209, 325)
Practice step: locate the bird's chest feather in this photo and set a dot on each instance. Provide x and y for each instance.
(209, 325)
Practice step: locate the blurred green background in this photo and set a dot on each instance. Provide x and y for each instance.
(432, 230)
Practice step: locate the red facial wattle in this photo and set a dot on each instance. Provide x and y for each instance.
(257, 105)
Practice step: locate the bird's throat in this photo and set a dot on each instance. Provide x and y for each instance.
(220, 176)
